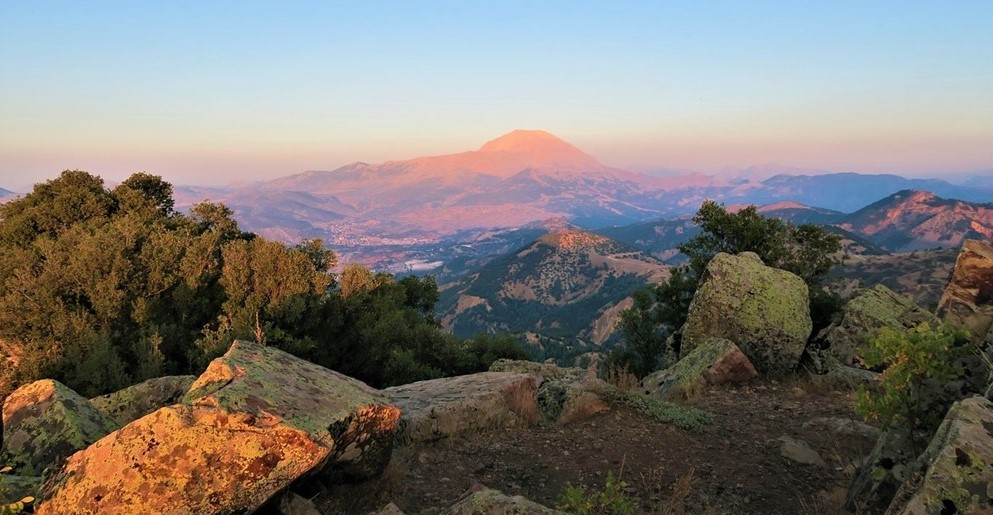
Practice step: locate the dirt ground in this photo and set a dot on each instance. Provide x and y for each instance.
(733, 466)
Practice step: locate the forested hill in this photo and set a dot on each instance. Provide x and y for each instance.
(101, 288)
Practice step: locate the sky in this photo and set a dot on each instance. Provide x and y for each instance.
(218, 92)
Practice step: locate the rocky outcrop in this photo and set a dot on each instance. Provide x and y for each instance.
(44, 422)
(438, 408)
(954, 474)
(884, 470)
(968, 299)
(868, 311)
(480, 500)
(254, 422)
(139, 400)
(716, 361)
(765, 311)
(564, 394)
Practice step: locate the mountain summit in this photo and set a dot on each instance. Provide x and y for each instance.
(539, 149)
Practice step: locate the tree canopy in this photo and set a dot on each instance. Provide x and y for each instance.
(104, 288)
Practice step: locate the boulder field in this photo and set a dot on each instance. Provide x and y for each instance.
(259, 425)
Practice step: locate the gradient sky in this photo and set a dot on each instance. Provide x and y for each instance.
(214, 92)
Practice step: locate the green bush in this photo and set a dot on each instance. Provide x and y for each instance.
(608, 501)
(922, 375)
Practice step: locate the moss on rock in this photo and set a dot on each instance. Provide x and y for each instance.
(715, 361)
(134, 402)
(764, 310)
(254, 422)
(44, 422)
(868, 311)
(955, 473)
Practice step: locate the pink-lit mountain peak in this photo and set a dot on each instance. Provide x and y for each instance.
(510, 154)
(540, 148)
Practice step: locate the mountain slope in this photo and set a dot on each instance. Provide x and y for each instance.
(912, 220)
(566, 284)
(6, 195)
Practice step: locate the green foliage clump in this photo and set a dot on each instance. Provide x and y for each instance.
(667, 412)
(922, 372)
(100, 289)
(806, 250)
(608, 501)
(11, 508)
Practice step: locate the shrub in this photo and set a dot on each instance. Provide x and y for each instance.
(922, 375)
(608, 501)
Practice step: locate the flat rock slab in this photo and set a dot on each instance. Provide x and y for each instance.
(254, 422)
(487, 501)
(439, 408)
(44, 422)
(565, 394)
(800, 452)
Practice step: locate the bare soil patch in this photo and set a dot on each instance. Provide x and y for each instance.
(732, 466)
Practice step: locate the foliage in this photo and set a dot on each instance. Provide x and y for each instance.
(669, 413)
(921, 377)
(805, 250)
(608, 501)
(103, 288)
(12, 508)
(642, 352)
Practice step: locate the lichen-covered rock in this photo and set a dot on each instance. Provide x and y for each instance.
(764, 310)
(480, 500)
(565, 394)
(868, 311)
(884, 470)
(968, 298)
(44, 422)
(716, 361)
(254, 422)
(955, 473)
(139, 400)
(438, 408)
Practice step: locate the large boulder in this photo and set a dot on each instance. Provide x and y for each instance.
(139, 400)
(954, 474)
(480, 500)
(254, 422)
(565, 394)
(45, 422)
(438, 408)
(716, 361)
(868, 311)
(764, 310)
(968, 298)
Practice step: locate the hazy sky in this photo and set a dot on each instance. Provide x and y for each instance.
(209, 92)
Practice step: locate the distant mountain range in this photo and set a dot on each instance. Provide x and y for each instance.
(902, 222)
(375, 213)
(6, 195)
